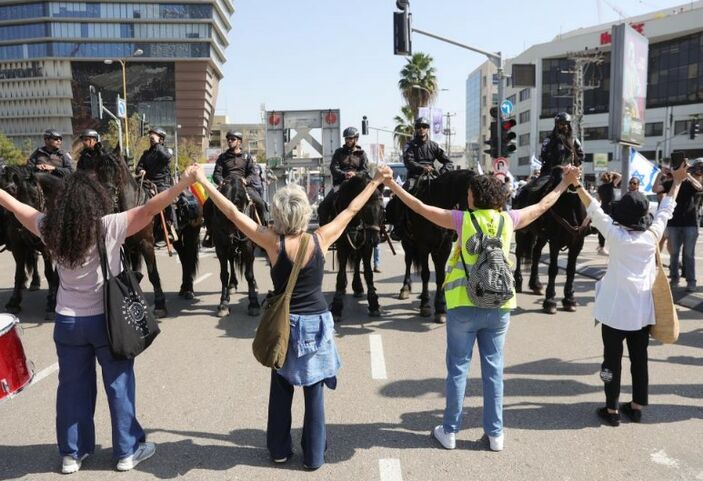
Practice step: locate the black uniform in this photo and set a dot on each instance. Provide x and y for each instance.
(230, 167)
(156, 162)
(556, 151)
(344, 160)
(58, 158)
(419, 154)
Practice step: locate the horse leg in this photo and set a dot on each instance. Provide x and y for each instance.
(569, 303)
(549, 305)
(52, 278)
(254, 307)
(407, 280)
(357, 286)
(14, 305)
(233, 280)
(425, 309)
(519, 254)
(371, 296)
(147, 249)
(534, 284)
(223, 256)
(36, 280)
(188, 254)
(440, 304)
(341, 288)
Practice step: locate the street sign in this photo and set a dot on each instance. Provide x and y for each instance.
(501, 166)
(506, 108)
(600, 162)
(121, 108)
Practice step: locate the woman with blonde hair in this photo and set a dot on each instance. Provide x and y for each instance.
(312, 360)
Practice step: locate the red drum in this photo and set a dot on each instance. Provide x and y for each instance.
(15, 371)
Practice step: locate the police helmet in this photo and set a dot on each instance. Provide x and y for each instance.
(234, 135)
(350, 132)
(158, 131)
(696, 165)
(562, 117)
(90, 134)
(422, 122)
(52, 133)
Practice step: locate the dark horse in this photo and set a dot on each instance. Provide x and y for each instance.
(356, 244)
(564, 226)
(234, 249)
(424, 239)
(36, 190)
(190, 219)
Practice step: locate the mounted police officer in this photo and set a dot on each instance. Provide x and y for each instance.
(234, 165)
(51, 158)
(348, 161)
(560, 147)
(155, 166)
(419, 156)
(93, 151)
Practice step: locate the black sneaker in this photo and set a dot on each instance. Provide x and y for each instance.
(635, 415)
(611, 418)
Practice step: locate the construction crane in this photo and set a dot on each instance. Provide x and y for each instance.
(615, 9)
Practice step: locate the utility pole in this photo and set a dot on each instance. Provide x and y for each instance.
(448, 133)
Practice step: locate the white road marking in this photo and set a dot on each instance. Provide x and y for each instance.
(202, 278)
(660, 457)
(390, 469)
(47, 371)
(378, 360)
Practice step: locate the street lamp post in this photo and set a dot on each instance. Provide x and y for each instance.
(123, 61)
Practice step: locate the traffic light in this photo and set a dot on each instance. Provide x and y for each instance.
(402, 28)
(492, 142)
(693, 129)
(364, 125)
(507, 146)
(144, 126)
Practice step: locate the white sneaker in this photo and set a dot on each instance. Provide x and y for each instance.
(602, 251)
(447, 440)
(145, 451)
(70, 465)
(496, 442)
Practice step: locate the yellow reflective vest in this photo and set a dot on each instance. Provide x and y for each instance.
(455, 282)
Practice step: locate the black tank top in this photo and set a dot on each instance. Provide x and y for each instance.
(307, 295)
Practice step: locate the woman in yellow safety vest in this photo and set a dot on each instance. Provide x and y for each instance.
(467, 323)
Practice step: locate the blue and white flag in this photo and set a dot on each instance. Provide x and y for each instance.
(535, 163)
(644, 170)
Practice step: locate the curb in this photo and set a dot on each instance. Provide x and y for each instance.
(690, 300)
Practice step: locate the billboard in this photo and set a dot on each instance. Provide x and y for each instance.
(436, 117)
(628, 85)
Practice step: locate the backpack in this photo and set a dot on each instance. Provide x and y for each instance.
(490, 280)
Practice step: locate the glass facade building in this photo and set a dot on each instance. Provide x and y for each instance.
(174, 80)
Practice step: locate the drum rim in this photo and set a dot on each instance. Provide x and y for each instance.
(13, 321)
(21, 388)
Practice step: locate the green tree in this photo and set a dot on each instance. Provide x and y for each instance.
(404, 127)
(10, 153)
(27, 147)
(189, 152)
(418, 82)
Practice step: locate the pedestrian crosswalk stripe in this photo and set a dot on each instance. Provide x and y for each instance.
(202, 278)
(378, 360)
(390, 469)
(47, 371)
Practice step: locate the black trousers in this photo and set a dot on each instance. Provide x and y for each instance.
(637, 342)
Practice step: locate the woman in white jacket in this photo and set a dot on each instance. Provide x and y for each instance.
(624, 304)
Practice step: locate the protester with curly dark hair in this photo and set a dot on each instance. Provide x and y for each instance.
(467, 323)
(71, 229)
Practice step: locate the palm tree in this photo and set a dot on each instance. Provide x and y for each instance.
(404, 127)
(418, 82)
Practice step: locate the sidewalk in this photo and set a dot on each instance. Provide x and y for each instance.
(593, 265)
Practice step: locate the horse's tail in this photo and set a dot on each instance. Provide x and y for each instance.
(190, 239)
(30, 261)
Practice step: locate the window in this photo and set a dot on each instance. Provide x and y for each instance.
(595, 133)
(26, 31)
(680, 127)
(524, 94)
(484, 100)
(511, 99)
(524, 160)
(29, 10)
(524, 117)
(543, 134)
(675, 71)
(653, 129)
(523, 140)
(494, 100)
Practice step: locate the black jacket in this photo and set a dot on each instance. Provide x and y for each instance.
(58, 158)
(418, 153)
(348, 160)
(555, 152)
(230, 165)
(89, 159)
(155, 162)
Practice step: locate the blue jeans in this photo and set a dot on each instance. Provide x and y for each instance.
(79, 341)
(278, 438)
(686, 237)
(377, 256)
(465, 325)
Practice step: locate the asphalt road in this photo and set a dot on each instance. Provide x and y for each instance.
(203, 398)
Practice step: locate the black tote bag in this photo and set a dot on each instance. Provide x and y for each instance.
(131, 326)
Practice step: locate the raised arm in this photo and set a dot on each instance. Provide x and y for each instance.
(26, 214)
(261, 235)
(436, 215)
(531, 213)
(331, 232)
(140, 217)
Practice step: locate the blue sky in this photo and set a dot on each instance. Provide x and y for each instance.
(319, 54)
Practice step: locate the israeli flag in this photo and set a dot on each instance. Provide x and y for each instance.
(644, 170)
(535, 163)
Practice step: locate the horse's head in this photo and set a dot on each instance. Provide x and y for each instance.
(20, 182)
(449, 190)
(236, 193)
(370, 217)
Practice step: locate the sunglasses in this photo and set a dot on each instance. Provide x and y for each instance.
(60, 139)
(634, 183)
